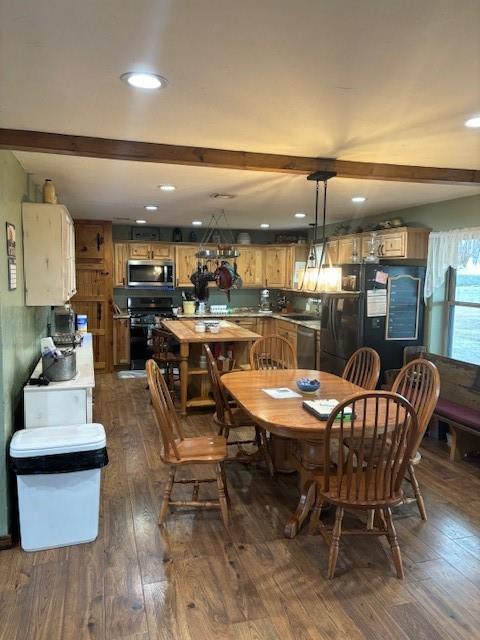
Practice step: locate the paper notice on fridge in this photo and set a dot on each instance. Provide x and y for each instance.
(376, 303)
(381, 277)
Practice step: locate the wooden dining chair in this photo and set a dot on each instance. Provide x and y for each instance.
(272, 352)
(363, 368)
(419, 383)
(228, 416)
(369, 476)
(163, 355)
(179, 450)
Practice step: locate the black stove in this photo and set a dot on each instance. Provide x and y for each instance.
(145, 313)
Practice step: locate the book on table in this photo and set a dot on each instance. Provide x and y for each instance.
(322, 409)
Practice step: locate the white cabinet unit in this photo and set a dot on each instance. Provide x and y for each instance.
(63, 403)
(49, 254)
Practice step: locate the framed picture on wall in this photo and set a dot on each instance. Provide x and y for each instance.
(11, 256)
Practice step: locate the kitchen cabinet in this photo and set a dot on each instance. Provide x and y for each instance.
(287, 330)
(185, 264)
(121, 341)
(266, 326)
(331, 253)
(250, 266)
(349, 249)
(246, 323)
(150, 250)
(120, 257)
(408, 243)
(49, 254)
(296, 254)
(275, 267)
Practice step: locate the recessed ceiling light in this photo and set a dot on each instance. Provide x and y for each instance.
(144, 80)
(197, 223)
(264, 225)
(473, 123)
(167, 187)
(300, 215)
(141, 221)
(358, 199)
(151, 207)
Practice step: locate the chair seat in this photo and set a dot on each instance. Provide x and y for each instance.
(458, 413)
(363, 501)
(206, 449)
(240, 419)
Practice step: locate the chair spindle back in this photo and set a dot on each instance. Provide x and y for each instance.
(384, 427)
(419, 383)
(222, 407)
(363, 368)
(272, 352)
(165, 414)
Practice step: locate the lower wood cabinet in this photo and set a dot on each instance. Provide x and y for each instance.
(287, 330)
(121, 341)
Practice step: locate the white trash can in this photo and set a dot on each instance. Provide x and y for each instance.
(58, 478)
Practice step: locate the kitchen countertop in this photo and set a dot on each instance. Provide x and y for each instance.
(311, 324)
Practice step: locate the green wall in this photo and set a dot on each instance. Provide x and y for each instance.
(21, 327)
(438, 216)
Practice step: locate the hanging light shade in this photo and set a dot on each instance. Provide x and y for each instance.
(329, 279)
(314, 264)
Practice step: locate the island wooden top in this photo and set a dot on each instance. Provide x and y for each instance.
(285, 417)
(184, 332)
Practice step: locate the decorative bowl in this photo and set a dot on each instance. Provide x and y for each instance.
(308, 385)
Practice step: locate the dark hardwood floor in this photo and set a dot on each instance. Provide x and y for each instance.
(193, 581)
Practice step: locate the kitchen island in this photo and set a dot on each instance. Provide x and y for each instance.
(193, 377)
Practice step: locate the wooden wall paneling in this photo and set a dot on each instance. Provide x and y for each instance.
(94, 270)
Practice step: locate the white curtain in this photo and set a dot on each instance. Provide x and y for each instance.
(450, 249)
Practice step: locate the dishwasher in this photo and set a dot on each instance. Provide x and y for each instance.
(306, 347)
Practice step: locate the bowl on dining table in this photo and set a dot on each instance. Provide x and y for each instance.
(308, 385)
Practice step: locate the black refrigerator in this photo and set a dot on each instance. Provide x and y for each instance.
(385, 312)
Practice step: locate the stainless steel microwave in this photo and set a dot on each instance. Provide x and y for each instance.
(151, 273)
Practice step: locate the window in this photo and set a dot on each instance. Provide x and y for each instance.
(464, 313)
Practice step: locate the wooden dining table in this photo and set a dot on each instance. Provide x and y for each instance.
(297, 436)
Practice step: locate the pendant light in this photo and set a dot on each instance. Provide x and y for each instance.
(311, 274)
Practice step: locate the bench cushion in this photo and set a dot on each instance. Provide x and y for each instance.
(458, 413)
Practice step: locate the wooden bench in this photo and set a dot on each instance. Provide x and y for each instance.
(459, 403)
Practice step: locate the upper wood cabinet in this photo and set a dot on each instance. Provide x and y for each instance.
(408, 243)
(185, 264)
(331, 253)
(250, 266)
(121, 252)
(275, 266)
(349, 249)
(150, 250)
(49, 254)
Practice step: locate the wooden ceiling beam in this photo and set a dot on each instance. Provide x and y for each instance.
(57, 143)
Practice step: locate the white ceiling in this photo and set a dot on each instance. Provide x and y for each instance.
(373, 80)
(113, 189)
